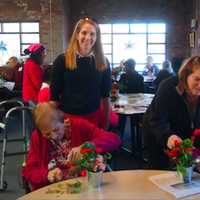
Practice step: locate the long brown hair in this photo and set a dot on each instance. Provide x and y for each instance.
(187, 68)
(70, 55)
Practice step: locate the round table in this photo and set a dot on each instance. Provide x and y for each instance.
(117, 185)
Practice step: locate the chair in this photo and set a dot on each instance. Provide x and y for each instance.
(24, 116)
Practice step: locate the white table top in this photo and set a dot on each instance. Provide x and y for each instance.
(118, 185)
(129, 104)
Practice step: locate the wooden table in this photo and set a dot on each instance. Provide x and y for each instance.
(118, 185)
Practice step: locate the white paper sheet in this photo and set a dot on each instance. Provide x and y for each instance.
(171, 182)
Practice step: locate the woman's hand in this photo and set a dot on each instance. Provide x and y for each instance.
(172, 140)
(55, 175)
(74, 154)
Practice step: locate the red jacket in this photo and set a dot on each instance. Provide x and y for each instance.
(32, 80)
(36, 169)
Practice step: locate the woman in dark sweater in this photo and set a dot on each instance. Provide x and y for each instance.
(81, 78)
(174, 112)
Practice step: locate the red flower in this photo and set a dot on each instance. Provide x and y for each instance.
(86, 150)
(196, 132)
(173, 153)
(177, 143)
(188, 149)
(83, 172)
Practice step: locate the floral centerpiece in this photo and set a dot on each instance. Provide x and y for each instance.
(183, 155)
(91, 163)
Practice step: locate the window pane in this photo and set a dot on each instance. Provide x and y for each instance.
(156, 28)
(9, 46)
(107, 48)
(30, 38)
(158, 58)
(129, 46)
(0, 27)
(11, 27)
(156, 48)
(109, 57)
(138, 28)
(120, 28)
(105, 28)
(30, 27)
(106, 38)
(156, 38)
(139, 67)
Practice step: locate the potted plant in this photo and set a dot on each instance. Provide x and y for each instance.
(91, 164)
(183, 156)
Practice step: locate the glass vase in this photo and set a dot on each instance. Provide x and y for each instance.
(95, 179)
(187, 176)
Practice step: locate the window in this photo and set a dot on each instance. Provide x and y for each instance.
(15, 37)
(134, 40)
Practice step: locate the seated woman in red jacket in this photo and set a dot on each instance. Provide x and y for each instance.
(56, 142)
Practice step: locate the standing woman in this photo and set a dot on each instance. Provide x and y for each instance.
(174, 112)
(81, 77)
(33, 72)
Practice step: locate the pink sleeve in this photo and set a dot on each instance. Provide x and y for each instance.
(104, 140)
(35, 171)
(44, 95)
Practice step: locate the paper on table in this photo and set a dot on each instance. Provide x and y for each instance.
(171, 182)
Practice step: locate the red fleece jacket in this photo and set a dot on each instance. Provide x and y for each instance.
(32, 80)
(36, 169)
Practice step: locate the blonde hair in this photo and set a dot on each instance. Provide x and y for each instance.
(187, 68)
(70, 55)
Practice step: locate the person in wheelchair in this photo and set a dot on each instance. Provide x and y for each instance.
(56, 141)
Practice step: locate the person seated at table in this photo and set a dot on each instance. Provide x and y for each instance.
(131, 81)
(174, 112)
(150, 69)
(12, 71)
(44, 93)
(163, 74)
(55, 142)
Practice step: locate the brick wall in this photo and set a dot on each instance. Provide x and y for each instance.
(176, 13)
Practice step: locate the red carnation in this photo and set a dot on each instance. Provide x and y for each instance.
(86, 150)
(188, 149)
(83, 173)
(177, 143)
(173, 153)
(196, 132)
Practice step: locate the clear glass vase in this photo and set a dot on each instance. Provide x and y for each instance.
(95, 179)
(187, 176)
